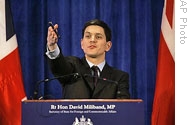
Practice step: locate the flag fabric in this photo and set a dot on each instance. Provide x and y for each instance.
(11, 83)
(163, 112)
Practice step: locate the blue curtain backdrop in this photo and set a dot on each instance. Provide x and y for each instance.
(135, 25)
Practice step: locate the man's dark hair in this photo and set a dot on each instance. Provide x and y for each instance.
(101, 24)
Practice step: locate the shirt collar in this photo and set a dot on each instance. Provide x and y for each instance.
(100, 65)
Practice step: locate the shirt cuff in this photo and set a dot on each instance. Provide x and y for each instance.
(54, 53)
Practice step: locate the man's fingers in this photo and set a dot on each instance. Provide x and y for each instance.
(56, 26)
(52, 31)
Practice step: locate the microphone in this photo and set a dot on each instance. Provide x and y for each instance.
(73, 76)
(107, 80)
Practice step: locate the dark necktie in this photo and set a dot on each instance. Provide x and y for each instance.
(95, 78)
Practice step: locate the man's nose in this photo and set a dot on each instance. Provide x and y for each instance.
(93, 38)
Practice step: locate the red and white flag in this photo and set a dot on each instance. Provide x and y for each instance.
(11, 82)
(163, 112)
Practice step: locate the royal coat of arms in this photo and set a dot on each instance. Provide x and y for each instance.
(82, 121)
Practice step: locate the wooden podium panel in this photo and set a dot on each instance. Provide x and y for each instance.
(83, 112)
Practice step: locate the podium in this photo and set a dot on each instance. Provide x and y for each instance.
(83, 112)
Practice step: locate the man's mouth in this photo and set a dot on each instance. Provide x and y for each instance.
(92, 46)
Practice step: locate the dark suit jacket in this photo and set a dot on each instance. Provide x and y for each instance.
(82, 87)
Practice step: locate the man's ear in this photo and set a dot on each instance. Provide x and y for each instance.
(108, 45)
(81, 43)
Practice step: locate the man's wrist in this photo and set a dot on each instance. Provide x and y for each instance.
(53, 53)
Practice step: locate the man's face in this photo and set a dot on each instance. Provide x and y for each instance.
(94, 42)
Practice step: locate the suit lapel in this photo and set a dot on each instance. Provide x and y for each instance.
(106, 73)
(87, 70)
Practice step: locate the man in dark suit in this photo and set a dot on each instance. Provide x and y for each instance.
(104, 83)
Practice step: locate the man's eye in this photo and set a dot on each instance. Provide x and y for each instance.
(87, 36)
(98, 37)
